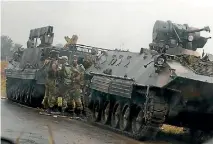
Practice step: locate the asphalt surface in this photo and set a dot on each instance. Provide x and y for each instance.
(16, 119)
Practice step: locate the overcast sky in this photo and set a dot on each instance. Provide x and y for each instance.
(106, 24)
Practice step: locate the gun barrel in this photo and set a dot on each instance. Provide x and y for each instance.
(199, 30)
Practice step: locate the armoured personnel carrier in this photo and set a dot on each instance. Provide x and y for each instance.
(135, 93)
(25, 77)
(26, 74)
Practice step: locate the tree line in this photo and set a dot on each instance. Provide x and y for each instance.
(8, 47)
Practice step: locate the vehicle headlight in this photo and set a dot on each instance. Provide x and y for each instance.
(190, 38)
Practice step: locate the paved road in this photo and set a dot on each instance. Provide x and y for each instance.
(16, 119)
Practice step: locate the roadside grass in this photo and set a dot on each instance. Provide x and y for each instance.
(169, 129)
(3, 87)
(3, 78)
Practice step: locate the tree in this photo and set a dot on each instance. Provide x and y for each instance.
(6, 45)
(15, 47)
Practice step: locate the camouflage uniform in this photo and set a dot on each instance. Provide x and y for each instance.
(76, 89)
(60, 83)
(66, 73)
(50, 93)
(50, 99)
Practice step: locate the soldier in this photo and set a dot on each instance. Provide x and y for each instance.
(81, 70)
(49, 100)
(75, 91)
(66, 75)
(59, 83)
(87, 62)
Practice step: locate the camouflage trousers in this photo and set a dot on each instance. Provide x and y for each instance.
(50, 98)
(72, 99)
(76, 102)
(64, 94)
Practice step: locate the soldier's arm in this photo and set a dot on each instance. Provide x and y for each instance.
(54, 67)
(82, 80)
(78, 77)
(46, 61)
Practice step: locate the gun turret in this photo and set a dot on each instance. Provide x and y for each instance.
(171, 35)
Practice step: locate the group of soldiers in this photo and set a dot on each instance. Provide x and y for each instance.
(63, 87)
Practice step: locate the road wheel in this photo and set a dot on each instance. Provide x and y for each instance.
(97, 110)
(27, 95)
(137, 121)
(125, 117)
(116, 115)
(105, 115)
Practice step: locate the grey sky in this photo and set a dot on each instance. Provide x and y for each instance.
(104, 24)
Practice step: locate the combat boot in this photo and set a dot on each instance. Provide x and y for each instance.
(78, 113)
(63, 112)
(55, 110)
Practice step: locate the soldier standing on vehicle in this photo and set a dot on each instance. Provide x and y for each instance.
(50, 100)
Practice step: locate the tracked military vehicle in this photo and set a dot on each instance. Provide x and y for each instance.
(135, 93)
(26, 74)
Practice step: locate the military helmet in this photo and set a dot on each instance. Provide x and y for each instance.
(64, 58)
(75, 57)
(54, 52)
(21, 49)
